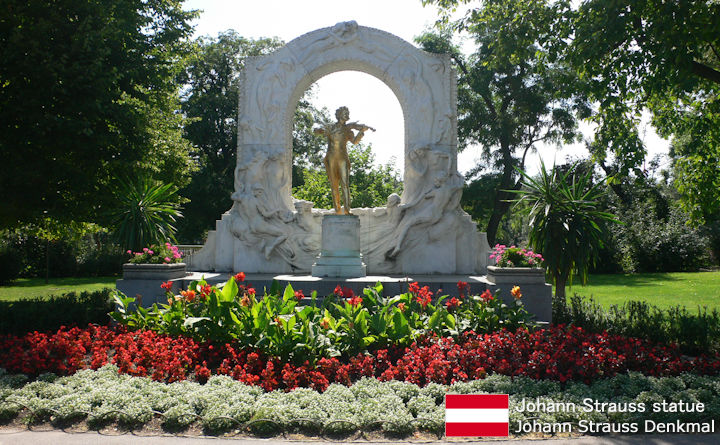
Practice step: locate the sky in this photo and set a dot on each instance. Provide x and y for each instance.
(370, 101)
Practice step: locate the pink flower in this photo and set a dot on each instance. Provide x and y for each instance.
(167, 259)
(129, 251)
(150, 252)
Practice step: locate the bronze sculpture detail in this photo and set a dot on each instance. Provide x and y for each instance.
(337, 163)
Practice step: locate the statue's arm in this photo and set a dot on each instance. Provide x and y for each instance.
(355, 139)
(264, 211)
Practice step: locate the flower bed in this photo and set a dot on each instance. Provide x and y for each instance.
(342, 324)
(559, 353)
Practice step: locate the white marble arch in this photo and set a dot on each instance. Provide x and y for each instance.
(424, 231)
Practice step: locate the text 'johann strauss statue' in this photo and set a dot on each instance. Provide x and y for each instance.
(337, 163)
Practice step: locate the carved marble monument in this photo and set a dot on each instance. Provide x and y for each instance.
(423, 232)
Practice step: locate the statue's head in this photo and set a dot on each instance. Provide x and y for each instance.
(342, 113)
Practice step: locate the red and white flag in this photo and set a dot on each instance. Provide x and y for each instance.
(477, 415)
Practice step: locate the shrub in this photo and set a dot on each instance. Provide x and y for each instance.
(648, 242)
(10, 265)
(694, 333)
(47, 314)
(90, 254)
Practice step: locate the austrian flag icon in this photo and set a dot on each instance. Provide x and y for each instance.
(477, 415)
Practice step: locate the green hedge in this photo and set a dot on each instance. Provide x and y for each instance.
(49, 313)
(695, 333)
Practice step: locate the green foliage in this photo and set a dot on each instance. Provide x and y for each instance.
(210, 104)
(516, 89)
(370, 185)
(10, 265)
(566, 225)
(655, 235)
(48, 314)
(87, 92)
(647, 243)
(694, 333)
(695, 151)
(74, 249)
(279, 326)
(664, 56)
(145, 213)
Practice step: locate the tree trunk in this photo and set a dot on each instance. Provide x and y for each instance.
(501, 206)
(47, 261)
(560, 282)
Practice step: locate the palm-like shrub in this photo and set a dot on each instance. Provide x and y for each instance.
(145, 213)
(566, 225)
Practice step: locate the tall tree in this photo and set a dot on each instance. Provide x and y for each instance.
(87, 93)
(515, 90)
(210, 103)
(663, 55)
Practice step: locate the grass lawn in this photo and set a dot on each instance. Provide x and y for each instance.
(691, 289)
(36, 287)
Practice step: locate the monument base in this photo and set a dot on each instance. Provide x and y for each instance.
(340, 255)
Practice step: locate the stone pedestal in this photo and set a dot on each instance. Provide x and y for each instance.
(142, 281)
(537, 295)
(340, 248)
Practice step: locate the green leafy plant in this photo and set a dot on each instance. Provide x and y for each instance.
(145, 213)
(566, 224)
(342, 324)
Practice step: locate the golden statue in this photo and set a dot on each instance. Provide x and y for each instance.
(337, 163)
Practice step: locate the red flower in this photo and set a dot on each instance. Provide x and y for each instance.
(355, 301)
(463, 287)
(424, 296)
(338, 291)
(239, 277)
(347, 292)
(414, 288)
(167, 285)
(205, 290)
(486, 296)
(188, 294)
(401, 306)
(299, 294)
(251, 291)
(452, 303)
